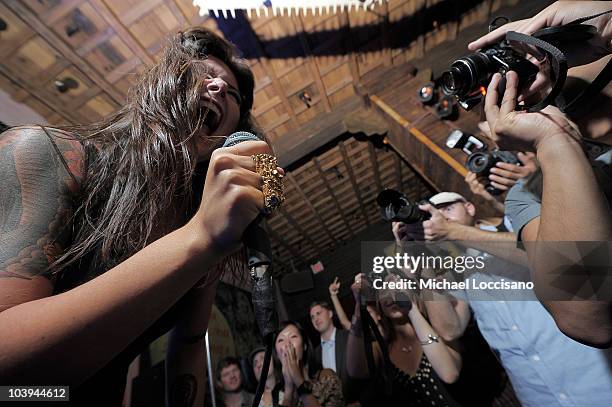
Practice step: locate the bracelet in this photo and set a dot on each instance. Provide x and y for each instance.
(430, 339)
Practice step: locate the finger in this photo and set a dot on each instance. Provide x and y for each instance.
(509, 100)
(254, 195)
(248, 148)
(501, 180)
(429, 208)
(490, 105)
(499, 186)
(336, 280)
(242, 177)
(485, 128)
(526, 158)
(494, 36)
(511, 171)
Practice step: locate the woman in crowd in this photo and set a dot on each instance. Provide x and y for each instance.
(304, 385)
(420, 362)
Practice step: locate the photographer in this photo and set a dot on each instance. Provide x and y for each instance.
(571, 207)
(542, 363)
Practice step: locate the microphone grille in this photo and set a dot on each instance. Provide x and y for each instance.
(239, 137)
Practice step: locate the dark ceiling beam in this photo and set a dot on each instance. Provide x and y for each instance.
(356, 189)
(374, 161)
(331, 193)
(312, 64)
(122, 31)
(308, 203)
(398, 170)
(350, 117)
(282, 242)
(385, 35)
(350, 48)
(299, 229)
(30, 19)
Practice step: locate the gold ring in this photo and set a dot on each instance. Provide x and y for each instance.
(273, 190)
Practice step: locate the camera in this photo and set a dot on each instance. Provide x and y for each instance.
(396, 207)
(480, 161)
(469, 76)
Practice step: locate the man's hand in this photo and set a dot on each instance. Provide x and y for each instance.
(477, 187)
(504, 175)
(436, 228)
(522, 131)
(557, 14)
(357, 286)
(334, 287)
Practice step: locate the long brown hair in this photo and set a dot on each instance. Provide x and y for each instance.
(140, 166)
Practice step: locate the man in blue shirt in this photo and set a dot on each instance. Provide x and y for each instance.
(546, 367)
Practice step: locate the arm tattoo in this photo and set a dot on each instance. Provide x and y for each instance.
(35, 201)
(184, 390)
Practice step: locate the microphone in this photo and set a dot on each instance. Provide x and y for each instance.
(259, 254)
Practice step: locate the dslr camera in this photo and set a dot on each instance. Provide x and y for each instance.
(480, 160)
(468, 77)
(396, 207)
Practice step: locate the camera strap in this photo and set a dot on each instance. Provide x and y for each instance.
(558, 69)
(600, 82)
(559, 66)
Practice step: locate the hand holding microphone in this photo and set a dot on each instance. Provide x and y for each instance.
(232, 196)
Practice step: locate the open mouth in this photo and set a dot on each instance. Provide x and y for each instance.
(211, 115)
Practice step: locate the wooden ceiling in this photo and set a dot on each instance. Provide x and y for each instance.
(306, 66)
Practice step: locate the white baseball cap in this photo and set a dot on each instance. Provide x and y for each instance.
(446, 198)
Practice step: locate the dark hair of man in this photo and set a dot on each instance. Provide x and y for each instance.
(224, 363)
(322, 304)
(140, 170)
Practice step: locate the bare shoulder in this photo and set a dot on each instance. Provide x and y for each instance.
(32, 143)
(36, 199)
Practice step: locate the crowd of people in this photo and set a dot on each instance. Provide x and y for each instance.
(455, 349)
(98, 258)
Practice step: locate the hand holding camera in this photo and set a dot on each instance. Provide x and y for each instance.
(559, 14)
(522, 131)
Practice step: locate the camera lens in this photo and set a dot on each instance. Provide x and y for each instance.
(479, 163)
(466, 75)
(454, 80)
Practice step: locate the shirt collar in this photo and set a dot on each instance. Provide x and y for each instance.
(332, 338)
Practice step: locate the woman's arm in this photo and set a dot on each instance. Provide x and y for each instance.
(90, 324)
(333, 293)
(445, 361)
(185, 359)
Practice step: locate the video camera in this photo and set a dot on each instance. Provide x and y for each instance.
(479, 160)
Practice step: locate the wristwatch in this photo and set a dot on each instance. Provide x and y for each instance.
(304, 388)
